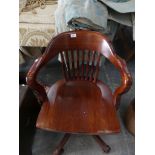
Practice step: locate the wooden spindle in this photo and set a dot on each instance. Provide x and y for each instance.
(63, 65)
(78, 64)
(68, 64)
(73, 64)
(87, 66)
(97, 67)
(92, 66)
(82, 72)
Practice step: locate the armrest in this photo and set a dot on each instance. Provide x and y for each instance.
(33, 83)
(126, 80)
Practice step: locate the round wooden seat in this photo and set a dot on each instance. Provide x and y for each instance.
(79, 107)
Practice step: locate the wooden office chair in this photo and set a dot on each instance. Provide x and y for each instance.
(79, 103)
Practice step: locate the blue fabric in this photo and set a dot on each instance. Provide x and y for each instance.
(91, 10)
(93, 15)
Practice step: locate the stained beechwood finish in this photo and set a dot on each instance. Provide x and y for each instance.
(79, 103)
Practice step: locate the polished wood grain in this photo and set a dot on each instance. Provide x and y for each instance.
(79, 107)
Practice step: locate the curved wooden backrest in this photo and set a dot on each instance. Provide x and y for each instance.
(73, 43)
(79, 40)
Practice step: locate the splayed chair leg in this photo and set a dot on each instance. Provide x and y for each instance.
(59, 149)
(106, 148)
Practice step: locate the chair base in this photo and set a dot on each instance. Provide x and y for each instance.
(106, 148)
(59, 149)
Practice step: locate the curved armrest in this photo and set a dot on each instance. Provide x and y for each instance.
(32, 83)
(126, 80)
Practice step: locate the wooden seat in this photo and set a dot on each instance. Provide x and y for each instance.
(79, 103)
(79, 107)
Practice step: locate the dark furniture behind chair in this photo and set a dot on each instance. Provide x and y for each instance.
(79, 103)
(28, 112)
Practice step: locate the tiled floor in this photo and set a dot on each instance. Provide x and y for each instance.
(121, 144)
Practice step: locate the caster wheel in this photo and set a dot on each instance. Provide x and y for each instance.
(58, 152)
(107, 149)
